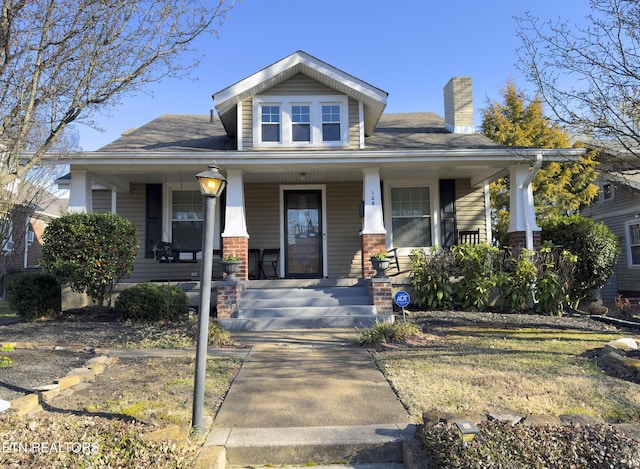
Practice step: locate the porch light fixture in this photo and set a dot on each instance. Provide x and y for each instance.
(467, 430)
(212, 183)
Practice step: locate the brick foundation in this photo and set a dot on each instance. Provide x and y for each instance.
(238, 246)
(518, 240)
(371, 244)
(227, 298)
(381, 294)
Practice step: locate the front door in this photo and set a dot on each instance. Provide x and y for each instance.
(303, 233)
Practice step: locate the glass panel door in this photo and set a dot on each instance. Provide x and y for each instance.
(303, 246)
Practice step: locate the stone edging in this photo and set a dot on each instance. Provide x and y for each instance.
(76, 380)
(613, 356)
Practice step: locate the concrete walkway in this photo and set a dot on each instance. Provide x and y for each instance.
(309, 396)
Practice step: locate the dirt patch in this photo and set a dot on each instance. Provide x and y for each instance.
(32, 368)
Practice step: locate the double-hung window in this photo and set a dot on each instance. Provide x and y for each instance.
(187, 220)
(270, 123)
(299, 121)
(633, 243)
(331, 121)
(411, 217)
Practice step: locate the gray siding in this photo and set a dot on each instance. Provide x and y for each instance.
(354, 124)
(344, 244)
(101, 200)
(262, 205)
(615, 214)
(247, 124)
(470, 209)
(299, 85)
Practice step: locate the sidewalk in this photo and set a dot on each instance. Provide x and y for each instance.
(309, 396)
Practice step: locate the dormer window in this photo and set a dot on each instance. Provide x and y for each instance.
(299, 121)
(331, 120)
(270, 118)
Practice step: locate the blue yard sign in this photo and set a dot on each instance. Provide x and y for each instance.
(402, 298)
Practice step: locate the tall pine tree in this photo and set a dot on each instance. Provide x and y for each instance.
(558, 188)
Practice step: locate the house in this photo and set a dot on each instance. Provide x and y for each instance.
(318, 175)
(618, 207)
(25, 211)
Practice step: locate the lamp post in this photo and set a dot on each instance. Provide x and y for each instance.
(212, 184)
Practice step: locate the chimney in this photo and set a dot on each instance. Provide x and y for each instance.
(458, 106)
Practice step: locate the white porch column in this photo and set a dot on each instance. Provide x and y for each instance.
(80, 197)
(235, 219)
(522, 217)
(373, 222)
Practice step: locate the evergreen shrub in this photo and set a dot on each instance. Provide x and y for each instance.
(152, 302)
(33, 295)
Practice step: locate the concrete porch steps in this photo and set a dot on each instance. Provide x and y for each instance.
(295, 305)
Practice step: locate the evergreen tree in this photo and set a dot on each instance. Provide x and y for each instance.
(558, 188)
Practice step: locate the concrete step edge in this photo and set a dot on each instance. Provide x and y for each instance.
(305, 311)
(313, 445)
(293, 302)
(272, 324)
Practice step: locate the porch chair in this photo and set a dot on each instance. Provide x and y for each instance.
(270, 259)
(394, 262)
(164, 252)
(469, 236)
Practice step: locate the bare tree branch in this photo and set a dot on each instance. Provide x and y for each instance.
(589, 74)
(63, 60)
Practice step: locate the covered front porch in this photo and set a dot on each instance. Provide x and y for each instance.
(321, 214)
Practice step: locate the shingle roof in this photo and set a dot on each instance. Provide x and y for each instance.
(173, 132)
(422, 130)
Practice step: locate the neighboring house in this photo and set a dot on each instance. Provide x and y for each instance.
(316, 171)
(618, 207)
(22, 228)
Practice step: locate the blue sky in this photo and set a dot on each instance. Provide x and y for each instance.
(408, 48)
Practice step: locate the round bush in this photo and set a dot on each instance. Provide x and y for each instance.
(34, 296)
(152, 302)
(595, 246)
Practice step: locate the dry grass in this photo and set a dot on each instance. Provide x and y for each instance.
(529, 371)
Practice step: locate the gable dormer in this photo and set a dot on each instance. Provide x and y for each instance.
(300, 102)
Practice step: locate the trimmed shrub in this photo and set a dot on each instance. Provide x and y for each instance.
(92, 251)
(595, 246)
(34, 296)
(152, 302)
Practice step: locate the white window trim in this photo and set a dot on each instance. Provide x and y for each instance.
(315, 103)
(601, 191)
(167, 208)
(167, 201)
(434, 200)
(627, 242)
